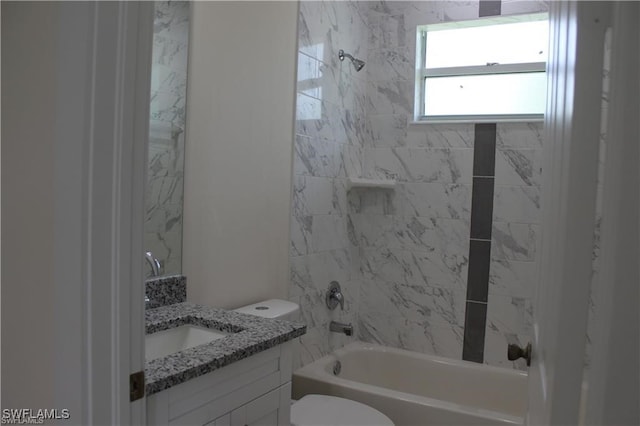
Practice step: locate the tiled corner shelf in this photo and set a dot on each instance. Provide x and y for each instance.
(370, 183)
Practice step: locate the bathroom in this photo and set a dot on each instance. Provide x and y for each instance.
(416, 267)
(338, 182)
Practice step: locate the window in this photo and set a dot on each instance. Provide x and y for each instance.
(490, 68)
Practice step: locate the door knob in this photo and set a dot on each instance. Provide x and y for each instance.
(514, 352)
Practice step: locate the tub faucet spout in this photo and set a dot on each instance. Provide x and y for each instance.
(339, 327)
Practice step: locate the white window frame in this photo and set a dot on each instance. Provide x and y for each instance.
(422, 73)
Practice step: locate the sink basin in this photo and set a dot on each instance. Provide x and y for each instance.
(174, 340)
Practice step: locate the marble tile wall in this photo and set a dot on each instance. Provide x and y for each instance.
(414, 241)
(402, 254)
(330, 134)
(164, 194)
(515, 240)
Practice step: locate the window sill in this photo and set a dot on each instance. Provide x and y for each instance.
(479, 119)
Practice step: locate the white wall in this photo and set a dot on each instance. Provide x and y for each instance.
(239, 134)
(28, 204)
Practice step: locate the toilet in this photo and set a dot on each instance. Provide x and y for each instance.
(323, 410)
(317, 410)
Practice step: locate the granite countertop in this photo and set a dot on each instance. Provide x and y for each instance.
(249, 335)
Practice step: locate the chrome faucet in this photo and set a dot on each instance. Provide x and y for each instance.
(334, 296)
(154, 263)
(339, 327)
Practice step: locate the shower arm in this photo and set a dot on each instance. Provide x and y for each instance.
(357, 63)
(342, 54)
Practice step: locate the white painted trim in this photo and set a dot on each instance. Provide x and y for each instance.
(572, 131)
(110, 234)
(484, 21)
(527, 67)
(613, 381)
(101, 162)
(497, 118)
(0, 212)
(132, 296)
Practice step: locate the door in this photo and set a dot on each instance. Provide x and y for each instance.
(73, 86)
(572, 126)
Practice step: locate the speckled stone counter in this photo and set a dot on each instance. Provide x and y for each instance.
(163, 291)
(249, 335)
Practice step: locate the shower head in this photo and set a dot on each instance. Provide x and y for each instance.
(357, 63)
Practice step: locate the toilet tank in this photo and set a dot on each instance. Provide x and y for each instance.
(280, 310)
(273, 308)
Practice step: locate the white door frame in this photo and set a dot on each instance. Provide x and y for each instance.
(571, 154)
(572, 132)
(104, 73)
(613, 380)
(140, 58)
(118, 137)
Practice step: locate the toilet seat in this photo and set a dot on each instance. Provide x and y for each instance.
(324, 410)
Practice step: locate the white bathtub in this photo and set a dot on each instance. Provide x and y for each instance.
(417, 389)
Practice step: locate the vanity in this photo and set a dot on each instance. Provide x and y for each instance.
(206, 365)
(240, 375)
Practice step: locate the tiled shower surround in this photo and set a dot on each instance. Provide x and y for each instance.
(402, 255)
(165, 183)
(330, 135)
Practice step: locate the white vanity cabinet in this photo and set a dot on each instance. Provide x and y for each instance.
(253, 391)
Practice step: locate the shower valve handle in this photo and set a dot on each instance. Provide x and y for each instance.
(334, 296)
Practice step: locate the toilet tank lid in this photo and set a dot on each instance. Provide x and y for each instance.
(272, 308)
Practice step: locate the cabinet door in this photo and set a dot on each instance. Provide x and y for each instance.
(270, 419)
(262, 411)
(221, 421)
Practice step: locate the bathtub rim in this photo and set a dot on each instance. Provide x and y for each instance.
(374, 347)
(319, 370)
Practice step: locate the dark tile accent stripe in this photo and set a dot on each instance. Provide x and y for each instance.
(484, 150)
(478, 273)
(475, 318)
(489, 8)
(484, 165)
(482, 208)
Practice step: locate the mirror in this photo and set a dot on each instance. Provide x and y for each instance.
(165, 172)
